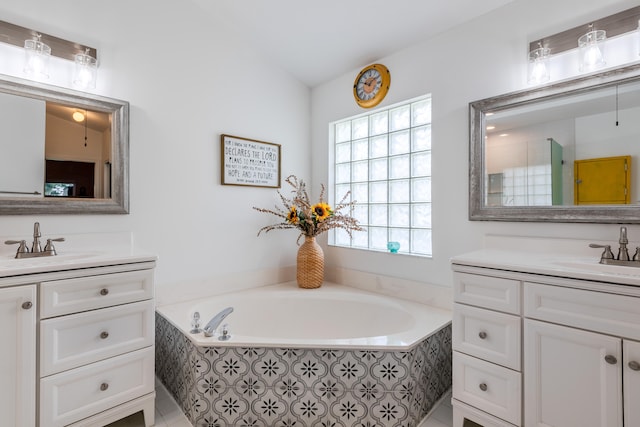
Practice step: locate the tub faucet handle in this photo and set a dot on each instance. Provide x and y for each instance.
(224, 334)
(195, 323)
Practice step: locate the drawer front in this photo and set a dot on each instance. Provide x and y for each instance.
(78, 339)
(491, 388)
(61, 297)
(463, 413)
(79, 393)
(487, 334)
(488, 292)
(595, 311)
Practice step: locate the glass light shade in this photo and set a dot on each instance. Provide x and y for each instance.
(78, 116)
(591, 50)
(37, 56)
(539, 66)
(86, 71)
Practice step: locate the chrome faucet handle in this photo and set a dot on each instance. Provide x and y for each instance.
(22, 249)
(636, 256)
(224, 333)
(607, 254)
(195, 323)
(49, 246)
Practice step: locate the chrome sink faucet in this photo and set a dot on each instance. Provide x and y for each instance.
(607, 256)
(36, 248)
(623, 252)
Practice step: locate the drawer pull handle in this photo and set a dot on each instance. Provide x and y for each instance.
(104, 335)
(27, 305)
(483, 387)
(482, 335)
(634, 366)
(104, 387)
(611, 360)
(104, 291)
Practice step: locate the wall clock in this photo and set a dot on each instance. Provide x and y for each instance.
(371, 85)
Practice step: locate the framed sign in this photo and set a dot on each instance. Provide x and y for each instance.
(250, 162)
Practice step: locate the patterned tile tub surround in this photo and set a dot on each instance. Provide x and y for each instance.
(227, 386)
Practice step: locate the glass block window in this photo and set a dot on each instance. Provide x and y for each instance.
(384, 159)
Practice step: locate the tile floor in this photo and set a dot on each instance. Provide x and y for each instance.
(168, 414)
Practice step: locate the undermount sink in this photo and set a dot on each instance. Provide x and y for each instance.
(595, 267)
(9, 262)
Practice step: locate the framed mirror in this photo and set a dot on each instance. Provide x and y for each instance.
(63, 151)
(565, 152)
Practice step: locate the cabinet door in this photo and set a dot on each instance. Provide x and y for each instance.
(573, 378)
(631, 370)
(18, 356)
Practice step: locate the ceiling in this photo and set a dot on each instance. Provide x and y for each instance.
(317, 41)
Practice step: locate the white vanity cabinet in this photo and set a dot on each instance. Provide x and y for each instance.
(96, 345)
(542, 350)
(18, 355)
(78, 344)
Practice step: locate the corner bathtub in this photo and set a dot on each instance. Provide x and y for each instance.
(334, 356)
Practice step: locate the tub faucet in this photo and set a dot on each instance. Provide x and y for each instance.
(213, 324)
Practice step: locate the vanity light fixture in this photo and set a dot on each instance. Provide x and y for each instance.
(581, 49)
(591, 49)
(539, 65)
(86, 71)
(36, 58)
(39, 47)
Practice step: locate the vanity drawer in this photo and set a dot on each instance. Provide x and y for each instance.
(79, 393)
(463, 413)
(487, 334)
(78, 339)
(61, 297)
(491, 388)
(595, 311)
(489, 292)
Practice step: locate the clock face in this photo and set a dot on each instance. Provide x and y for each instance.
(371, 85)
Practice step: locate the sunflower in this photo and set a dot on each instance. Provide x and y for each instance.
(321, 211)
(292, 218)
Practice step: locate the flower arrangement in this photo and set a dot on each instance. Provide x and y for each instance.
(311, 219)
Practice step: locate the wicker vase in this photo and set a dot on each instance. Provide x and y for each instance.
(310, 264)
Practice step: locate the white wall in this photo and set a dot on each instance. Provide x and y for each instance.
(482, 59)
(187, 80)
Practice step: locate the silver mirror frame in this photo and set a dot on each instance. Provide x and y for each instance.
(477, 124)
(119, 110)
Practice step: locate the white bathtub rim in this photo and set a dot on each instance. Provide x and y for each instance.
(428, 321)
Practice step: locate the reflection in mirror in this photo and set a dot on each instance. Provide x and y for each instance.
(565, 152)
(63, 151)
(77, 152)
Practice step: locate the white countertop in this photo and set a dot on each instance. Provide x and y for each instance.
(559, 265)
(76, 252)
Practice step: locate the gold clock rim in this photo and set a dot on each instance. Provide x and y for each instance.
(384, 87)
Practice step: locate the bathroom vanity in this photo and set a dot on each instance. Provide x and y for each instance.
(77, 339)
(542, 340)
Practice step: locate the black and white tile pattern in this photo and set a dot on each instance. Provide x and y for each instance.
(286, 387)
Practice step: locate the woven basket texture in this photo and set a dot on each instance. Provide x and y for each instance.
(310, 264)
